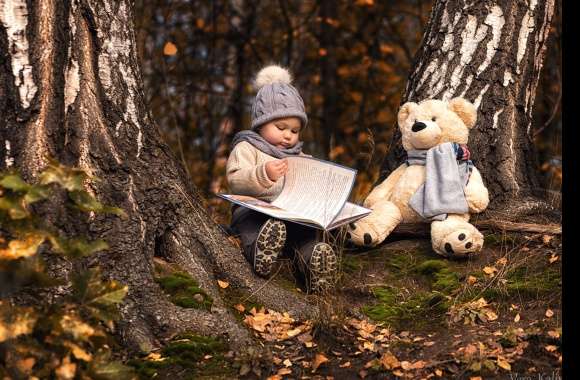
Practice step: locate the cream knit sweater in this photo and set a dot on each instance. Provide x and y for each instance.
(246, 173)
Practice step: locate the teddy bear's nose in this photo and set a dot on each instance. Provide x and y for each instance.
(418, 126)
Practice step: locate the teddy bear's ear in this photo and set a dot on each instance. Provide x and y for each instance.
(465, 110)
(404, 112)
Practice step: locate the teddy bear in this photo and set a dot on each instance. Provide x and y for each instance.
(437, 184)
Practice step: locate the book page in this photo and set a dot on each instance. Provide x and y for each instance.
(260, 206)
(315, 189)
(349, 213)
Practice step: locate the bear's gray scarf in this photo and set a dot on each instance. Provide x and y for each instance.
(445, 180)
(264, 146)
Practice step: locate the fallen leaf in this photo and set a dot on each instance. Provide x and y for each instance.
(553, 258)
(551, 348)
(309, 344)
(25, 365)
(276, 360)
(554, 334)
(438, 372)
(517, 318)
(345, 365)
(429, 344)
(223, 284)
(287, 363)
(294, 332)
(471, 280)
(546, 239)
(389, 361)
(491, 316)
(239, 307)
(284, 371)
(319, 359)
(502, 261)
(406, 365)
(489, 270)
(504, 364)
(419, 364)
(274, 377)
(549, 313)
(66, 370)
(475, 378)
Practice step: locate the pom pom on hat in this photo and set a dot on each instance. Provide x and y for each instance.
(272, 74)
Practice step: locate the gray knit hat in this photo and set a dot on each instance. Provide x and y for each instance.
(276, 97)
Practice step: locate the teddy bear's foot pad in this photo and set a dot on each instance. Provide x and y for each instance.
(461, 243)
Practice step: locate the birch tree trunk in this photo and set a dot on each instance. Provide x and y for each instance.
(71, 88)
(490, 52)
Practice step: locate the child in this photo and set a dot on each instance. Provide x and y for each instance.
(256, 167)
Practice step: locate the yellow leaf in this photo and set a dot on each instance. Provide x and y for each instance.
(287, 363)
(438, 372)
(549, 313)
(78, 352)
(554, 334)
(504, 364)
(77, 328)
(319, 359)
(553, 258)
(517, 318)
(66, 370)
(22, 322)
(169, 48)
(22, 248)
(223, 284)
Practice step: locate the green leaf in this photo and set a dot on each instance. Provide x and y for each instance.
(77, 247)
(36, 193)
(86, 202)
(14, 183)
(113, 295)
(112, 370)
(71, 179)
(14, 207)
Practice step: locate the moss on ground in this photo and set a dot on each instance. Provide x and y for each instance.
(187, 352)
(442, 277)
(527, 283)
(420, 307)
(184, 291)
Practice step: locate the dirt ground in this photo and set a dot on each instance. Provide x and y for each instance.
(401, 311)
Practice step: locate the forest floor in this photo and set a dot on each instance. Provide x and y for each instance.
(400, 311)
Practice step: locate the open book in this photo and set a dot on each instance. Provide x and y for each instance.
(315, 194)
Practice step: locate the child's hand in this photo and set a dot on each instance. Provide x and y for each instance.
(276, 169)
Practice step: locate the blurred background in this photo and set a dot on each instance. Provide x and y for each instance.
(350, 61)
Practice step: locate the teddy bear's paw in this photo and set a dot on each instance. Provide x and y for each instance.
(461, 243)
(361, 236)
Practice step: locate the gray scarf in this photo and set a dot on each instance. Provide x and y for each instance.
(445, 180)
(264, 146)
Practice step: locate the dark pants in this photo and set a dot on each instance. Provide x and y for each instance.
(300, 240)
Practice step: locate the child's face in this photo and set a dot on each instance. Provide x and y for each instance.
(282, 133)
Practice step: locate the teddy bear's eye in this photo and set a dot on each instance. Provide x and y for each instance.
(433, 118)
